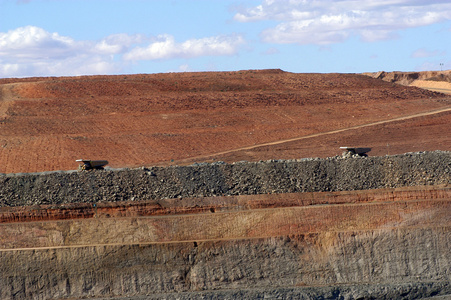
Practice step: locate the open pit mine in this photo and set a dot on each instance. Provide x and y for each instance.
(331, 228)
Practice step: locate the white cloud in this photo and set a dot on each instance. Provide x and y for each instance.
(33, 51)
(29, 42)
(118, 43)
(181, 69)
(422, 52)
(184, 68)
(332, 21)
(165, 47)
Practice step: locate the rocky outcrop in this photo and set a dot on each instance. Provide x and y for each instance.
(406, 78)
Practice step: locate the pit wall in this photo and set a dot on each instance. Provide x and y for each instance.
(356, 228)
(404, 263)
(378, 244)
(220, 179)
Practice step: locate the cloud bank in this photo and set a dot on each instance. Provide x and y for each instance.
(165, 47)
(32, 51)
(333, 21)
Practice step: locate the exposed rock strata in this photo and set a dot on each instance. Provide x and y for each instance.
(234, 224)
(393, 258)
(358, 228)
(179, 206)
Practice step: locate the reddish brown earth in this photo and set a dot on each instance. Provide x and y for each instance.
(179, 118)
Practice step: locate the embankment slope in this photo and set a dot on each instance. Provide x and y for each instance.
(149, 119)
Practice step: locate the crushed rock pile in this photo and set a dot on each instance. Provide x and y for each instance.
(219, 179)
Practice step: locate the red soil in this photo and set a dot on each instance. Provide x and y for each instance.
(48, 123)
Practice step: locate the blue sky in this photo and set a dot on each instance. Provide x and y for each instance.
(83, 37)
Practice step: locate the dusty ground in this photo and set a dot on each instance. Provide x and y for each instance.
(438, 86)
(180, 118)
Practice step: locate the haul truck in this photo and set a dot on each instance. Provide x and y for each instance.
(87, 164)
(358, 151)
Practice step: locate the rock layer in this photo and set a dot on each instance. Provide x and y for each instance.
(393, 257)
(219, 179)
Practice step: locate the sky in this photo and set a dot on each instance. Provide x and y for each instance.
(87, 37)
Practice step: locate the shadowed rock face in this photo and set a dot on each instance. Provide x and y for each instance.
(376, 263)
(357, 228)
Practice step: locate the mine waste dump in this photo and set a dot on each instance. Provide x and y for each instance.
(334, 228)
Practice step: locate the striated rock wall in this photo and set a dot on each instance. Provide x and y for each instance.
(236, 222)
(295, 176)
(364, 260)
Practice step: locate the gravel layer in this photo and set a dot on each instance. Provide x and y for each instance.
(218, 179)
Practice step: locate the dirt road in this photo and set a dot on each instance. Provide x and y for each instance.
(423, 114)
(156, 120)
